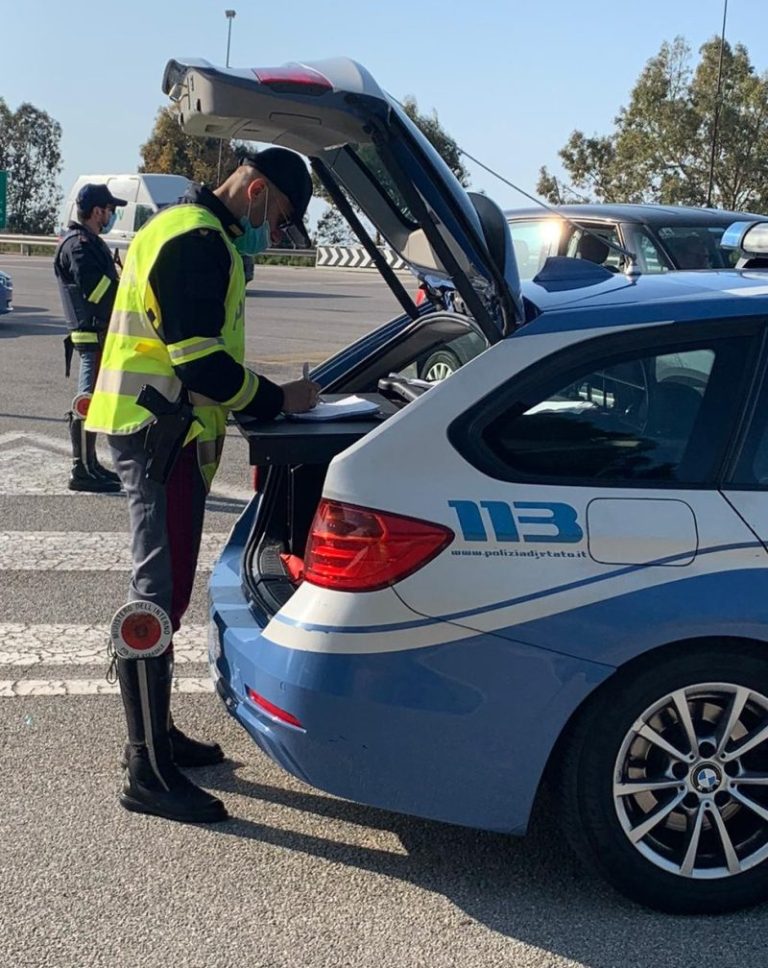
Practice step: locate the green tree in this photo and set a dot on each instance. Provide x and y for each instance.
(172, 152)
(332, 228)
(660, 149)
(30, 151)
(446, 147)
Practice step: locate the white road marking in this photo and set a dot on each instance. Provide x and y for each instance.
(74, 645)
(84, 550)
(34, 463)
(27, 688)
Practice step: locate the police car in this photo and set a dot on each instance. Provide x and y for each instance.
(549, 569)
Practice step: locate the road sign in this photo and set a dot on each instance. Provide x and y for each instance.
(3, 193)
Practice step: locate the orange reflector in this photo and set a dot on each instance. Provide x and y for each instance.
(272, 709)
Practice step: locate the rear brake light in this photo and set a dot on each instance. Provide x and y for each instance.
(358, 549)
(293, 80)
(272, 709)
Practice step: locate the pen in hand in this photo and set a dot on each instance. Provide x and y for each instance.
(305, 375)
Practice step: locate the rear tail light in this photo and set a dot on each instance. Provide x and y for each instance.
(358, 549)
(269, 707)
(294, 79)
(421, 295)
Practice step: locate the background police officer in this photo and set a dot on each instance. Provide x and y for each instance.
(87, 280)
(178, 328)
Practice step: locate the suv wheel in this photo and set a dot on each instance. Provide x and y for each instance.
(664, 781)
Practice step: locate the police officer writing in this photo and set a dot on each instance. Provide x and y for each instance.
(177, 336)
(87, 281)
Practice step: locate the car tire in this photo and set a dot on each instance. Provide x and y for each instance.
(439, 365)
(712, 796)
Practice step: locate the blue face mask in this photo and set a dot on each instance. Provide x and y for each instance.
(106, 228)
(253, 240)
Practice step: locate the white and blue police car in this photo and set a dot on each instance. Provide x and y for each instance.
(550, 568)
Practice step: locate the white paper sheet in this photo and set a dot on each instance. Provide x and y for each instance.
(352, 406)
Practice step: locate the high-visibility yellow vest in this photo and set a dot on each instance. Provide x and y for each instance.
(135, 354)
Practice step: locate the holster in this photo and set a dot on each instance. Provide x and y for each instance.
(166, 434)
(69, 350)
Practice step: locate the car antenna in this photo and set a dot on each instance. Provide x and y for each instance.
(633, 269)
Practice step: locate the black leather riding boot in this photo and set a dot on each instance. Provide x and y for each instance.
(186, 751)
(153, 784)
(80, 477)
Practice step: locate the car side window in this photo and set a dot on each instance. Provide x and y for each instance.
(751, 468)
(592, 244)
(656, 417)
(143, 214)
(534, 240)
(649, 254)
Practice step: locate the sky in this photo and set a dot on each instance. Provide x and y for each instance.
(509, 79)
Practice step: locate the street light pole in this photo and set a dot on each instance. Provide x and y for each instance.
(230, 15)
(717, 108)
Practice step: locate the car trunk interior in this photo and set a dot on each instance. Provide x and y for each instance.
(291, 490)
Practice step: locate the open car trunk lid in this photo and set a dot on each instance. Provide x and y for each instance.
(362, 144)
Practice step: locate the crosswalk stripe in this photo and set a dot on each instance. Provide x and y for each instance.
(75, 645)
(38, 464)
(26, 688)
(83, 550)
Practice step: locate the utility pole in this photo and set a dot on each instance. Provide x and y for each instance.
(717, 108)
(230, 15)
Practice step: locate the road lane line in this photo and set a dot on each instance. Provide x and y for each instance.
(84, 550)
(34, 463)
(30, 688)
(75, 645)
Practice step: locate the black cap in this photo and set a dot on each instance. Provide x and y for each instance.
(96, 196)
(288, 172)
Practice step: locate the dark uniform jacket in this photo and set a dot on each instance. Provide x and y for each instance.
(87, 277)
(190, 280)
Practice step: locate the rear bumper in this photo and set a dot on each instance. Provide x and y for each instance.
(459, 732)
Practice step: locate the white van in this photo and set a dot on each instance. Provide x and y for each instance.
(144, 193)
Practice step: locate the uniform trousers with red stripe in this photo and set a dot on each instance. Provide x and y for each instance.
(166, 525)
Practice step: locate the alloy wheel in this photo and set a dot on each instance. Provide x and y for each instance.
(690, 783)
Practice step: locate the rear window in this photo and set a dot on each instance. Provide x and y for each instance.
(656, 416)
(369, 159)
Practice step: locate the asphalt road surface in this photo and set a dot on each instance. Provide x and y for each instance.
(296, 878)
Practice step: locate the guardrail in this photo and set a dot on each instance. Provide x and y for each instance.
(27, 242)
(323, 256)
